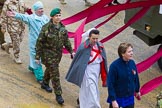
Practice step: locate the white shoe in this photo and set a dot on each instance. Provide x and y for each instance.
(6, 47)
(17, 60)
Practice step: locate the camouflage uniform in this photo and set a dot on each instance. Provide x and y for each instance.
(2, 40)
(159, 100)
(14, 27)
(49, 48)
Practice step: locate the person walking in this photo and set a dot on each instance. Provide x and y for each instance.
(2, 39)
(123, 80)
(50, 43)
(89, 62)
(35, 22)
(15, 28)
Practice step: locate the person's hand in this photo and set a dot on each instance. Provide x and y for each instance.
(104, 84)
(115, 104)
(29, 11)
(37, 61)
(10, 13)
(138, 96)
(72, 55)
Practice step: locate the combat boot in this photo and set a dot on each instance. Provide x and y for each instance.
(46, 87)
(17, 60)
(62, 2)
(6, 47)
(78, 101)
(2, 47)
(59, 99)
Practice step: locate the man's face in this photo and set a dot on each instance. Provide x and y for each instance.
(56, 19)
(39, 12)
(93, 39)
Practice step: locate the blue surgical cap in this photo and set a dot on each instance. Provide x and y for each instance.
(37, 5)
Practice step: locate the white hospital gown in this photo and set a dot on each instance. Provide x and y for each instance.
(89, 96)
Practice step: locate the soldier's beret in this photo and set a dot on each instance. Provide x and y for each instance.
(55, 11)
(37, 5)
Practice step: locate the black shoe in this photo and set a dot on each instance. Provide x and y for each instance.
(46, 87)
(78, 101)
(59, 99)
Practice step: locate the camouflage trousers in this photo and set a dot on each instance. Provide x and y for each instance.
(16, 40)
(52, 72)
(2, 39)
(159, 100)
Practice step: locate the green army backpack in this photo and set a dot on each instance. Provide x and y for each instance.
(159, 100)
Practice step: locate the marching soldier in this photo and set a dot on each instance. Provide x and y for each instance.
(35, 21)
(50, 43)
(159, 100)
(15, 28)
(2, 40)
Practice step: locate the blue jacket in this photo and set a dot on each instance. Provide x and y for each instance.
(77, 69)
(123, 80)
(35, 24)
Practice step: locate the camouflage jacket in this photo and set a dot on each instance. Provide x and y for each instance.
(13, 25)
(1, 4)
(50, 43)
(159, 100)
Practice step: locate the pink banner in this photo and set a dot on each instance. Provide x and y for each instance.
(151, 85)
(101, 9)
(142, 66)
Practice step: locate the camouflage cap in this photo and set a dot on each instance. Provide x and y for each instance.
(55, 11)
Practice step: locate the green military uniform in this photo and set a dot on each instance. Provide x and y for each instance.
(2, 40)
(49, 48)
